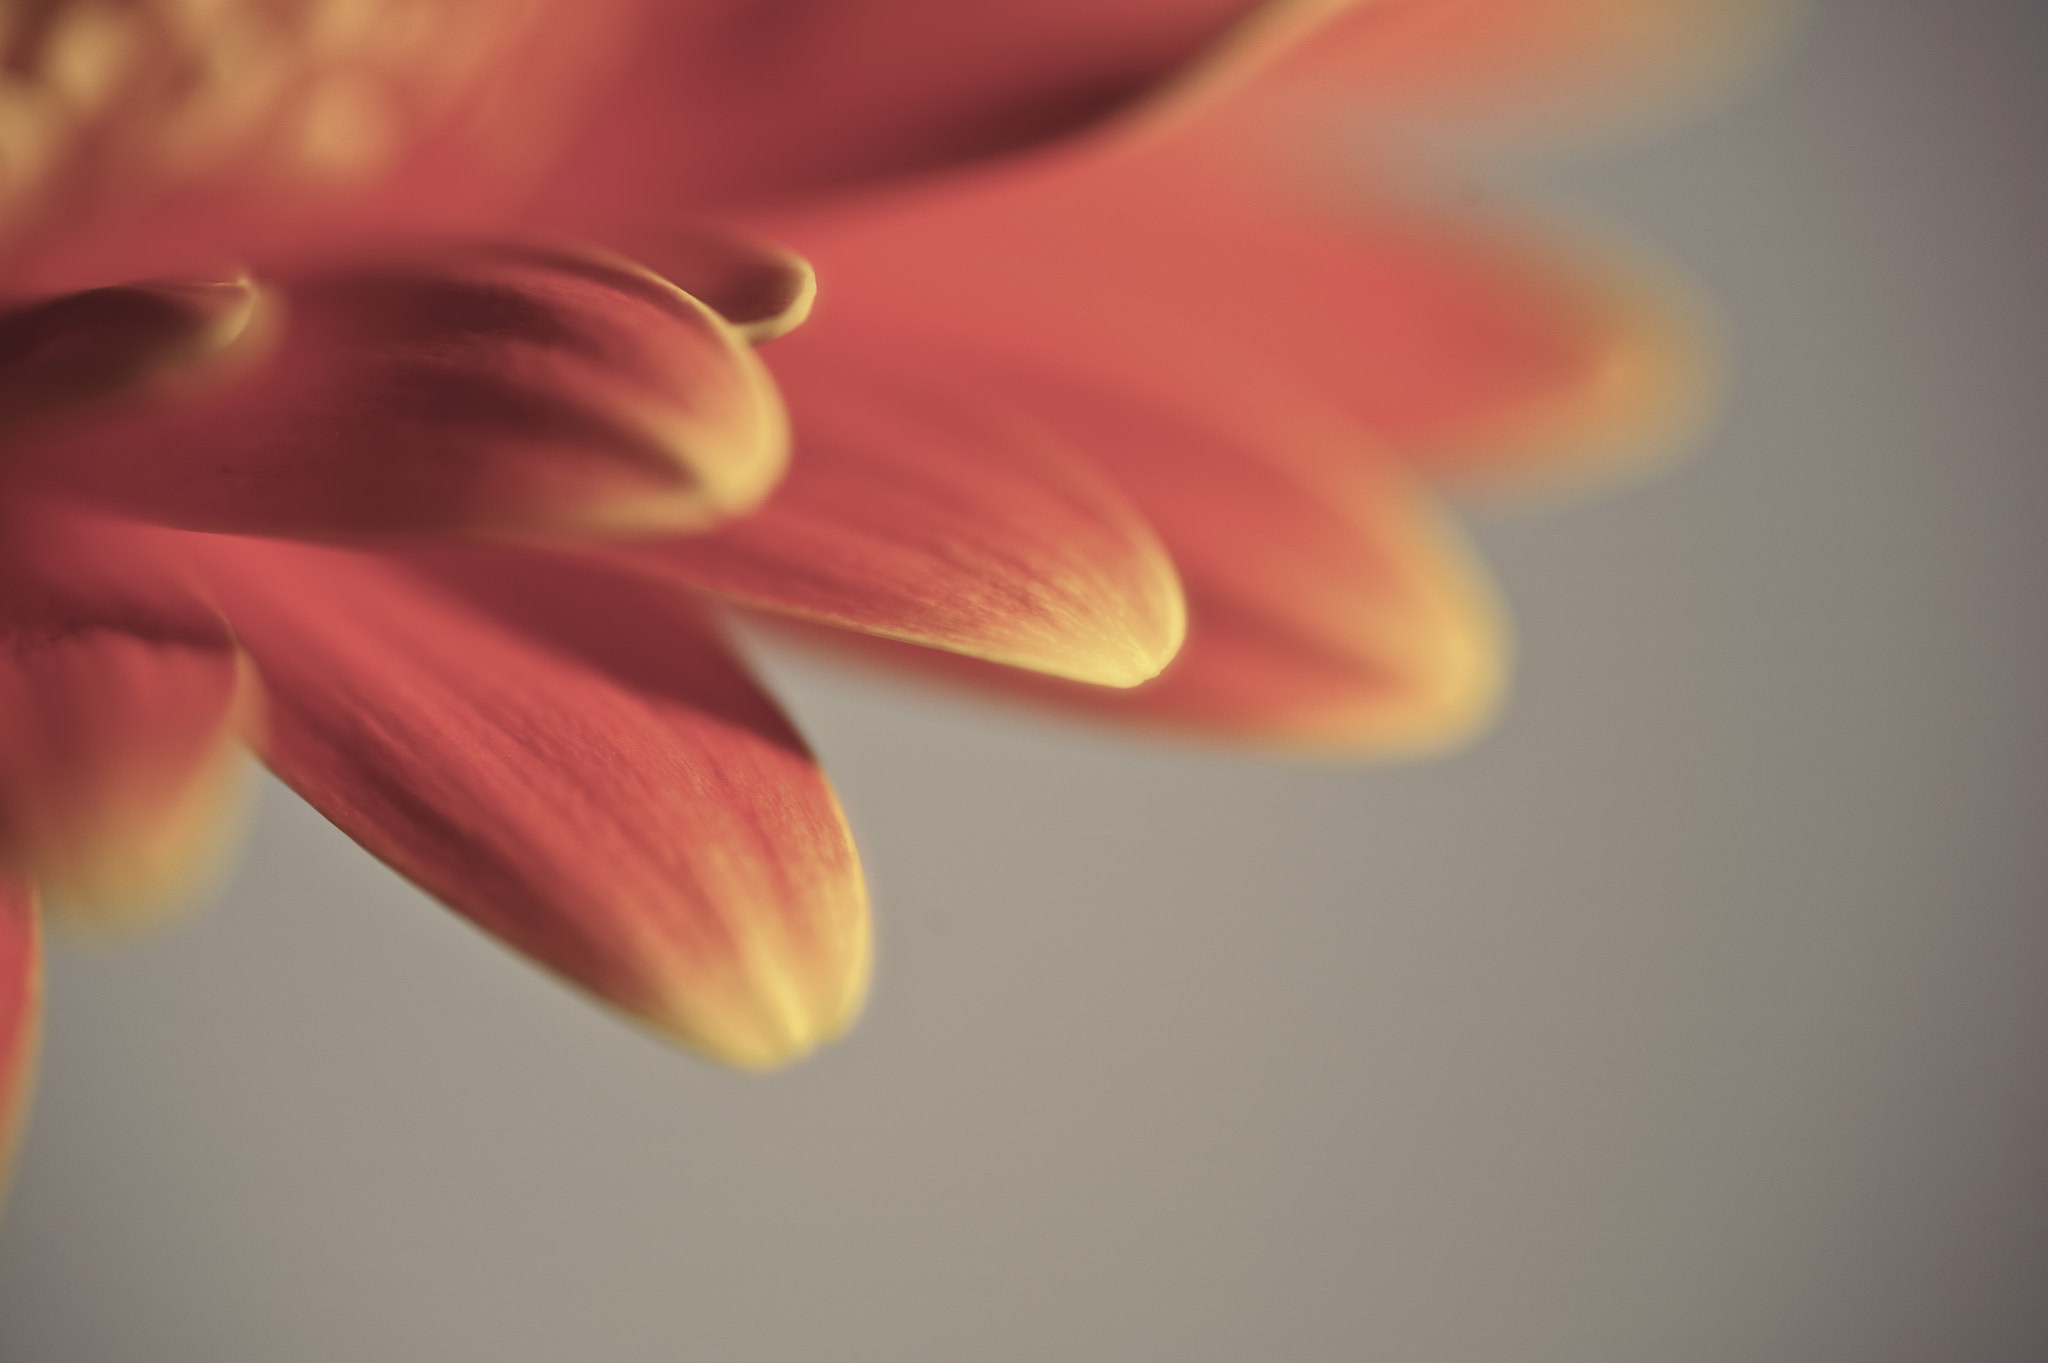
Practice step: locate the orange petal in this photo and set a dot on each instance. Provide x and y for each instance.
(574, 761)
(21, 1013)
(924, 513)
(733, 102)
(1328, 607)
(1499, 356)
(61, 352)
(761, 289)
(1472, 346)
(492, 389)
(121, 706)
(1477, 348)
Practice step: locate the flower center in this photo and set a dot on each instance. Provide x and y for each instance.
(104, 102)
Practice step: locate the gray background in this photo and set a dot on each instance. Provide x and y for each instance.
(1697, 1016)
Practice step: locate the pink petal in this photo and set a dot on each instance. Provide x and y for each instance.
(924, 513)
(121, 705)
(733, 102)
(1328, 606)
(21, 1013)
(575, 761)
(1467, 345)
(59, 353)
(493, 389)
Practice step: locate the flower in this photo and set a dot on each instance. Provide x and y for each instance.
(379, 386)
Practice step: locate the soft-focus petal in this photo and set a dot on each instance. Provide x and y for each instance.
(1494, 356)
(924, 512)
(573, 760)
(153, 137)
(495, 389)
(21, 1012)
(59, 353)
(1328, 605)
(1463, 343)
(1512, 66)
(735, 101)
(121, 707)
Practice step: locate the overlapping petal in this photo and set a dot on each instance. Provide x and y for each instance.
(483, 389)
(21, 1011)
(737, 102)
(1329, 607)
(1257, 377)
(121, 712)
(930, 514)
(58, 354)
(1468, 347)
(572, 759)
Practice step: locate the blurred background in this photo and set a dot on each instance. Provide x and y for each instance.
(1698, 1014)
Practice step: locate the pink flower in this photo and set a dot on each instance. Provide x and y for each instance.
(379, 386)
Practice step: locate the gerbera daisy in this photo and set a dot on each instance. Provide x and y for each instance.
(379, 387)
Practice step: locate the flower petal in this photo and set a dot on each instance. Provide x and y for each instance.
(21, 1013)
(937, 517)
(1328, 606)
(574, 761)
(1475, 347)
(1517, 66)
(121, 709)
(734, 102)
(761, 289)
(496, 389)
(58, 353)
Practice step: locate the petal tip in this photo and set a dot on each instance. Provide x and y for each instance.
(1454, 668)
(779, 1000)
(1643, 381)
(1116, 636)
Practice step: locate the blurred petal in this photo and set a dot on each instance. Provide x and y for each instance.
(919, 512)
(1474, 347)
(58, 353)
(21, 1013)
(148, 139)
(734, 101)
(575, 761)
(121, 709)
(1491, 356)
(491, 389)
(759, 288)
(1328, 606)
(1518, 66)
(1340, 616)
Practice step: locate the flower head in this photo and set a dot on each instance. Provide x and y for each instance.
(378, 386)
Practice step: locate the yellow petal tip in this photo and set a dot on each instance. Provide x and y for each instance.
(775, 999)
